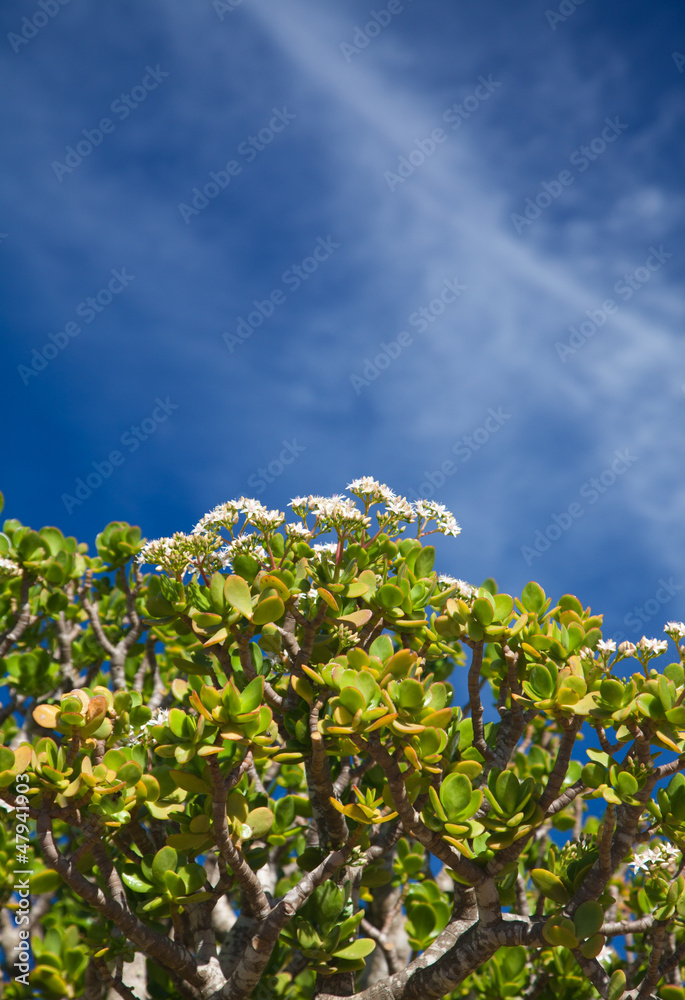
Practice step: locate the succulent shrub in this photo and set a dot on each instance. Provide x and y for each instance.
(248, 771)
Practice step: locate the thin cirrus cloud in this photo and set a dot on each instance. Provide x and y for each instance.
(517, 291)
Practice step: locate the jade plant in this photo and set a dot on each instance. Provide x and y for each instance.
(282, 757)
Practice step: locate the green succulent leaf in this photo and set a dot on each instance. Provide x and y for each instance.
(550, 886)
(237, 594)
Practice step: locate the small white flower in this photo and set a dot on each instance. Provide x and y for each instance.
(606, 646)
(160, 719)
(224, 516)
(370, 489)
(675, 629)
(428, 509)
(464, 590)
(267, 520)
(248, 544)
(642, 862)
(445, 522)
(585, 653)
(662, 856)
(325, 548)
(301, 505)
(655, 646)
(402, 509)
(312, 595)
(448, 525)
(8, 568)
(627, 648)
(296, 531)
(249, 506)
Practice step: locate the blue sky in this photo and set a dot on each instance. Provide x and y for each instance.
(371, 182)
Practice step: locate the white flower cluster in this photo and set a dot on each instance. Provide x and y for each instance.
(464, 590)
(647, 647)
(8, 568)
(398, 513)
(298, 532)
(662, 856)
(227, 514)
(182, 553)
(341, 514)
(445, 521)
(160, 719)
(243, 544)
(653, 646)
(676, 630)
(371, 491)
(332, 513)
(606, 646)
(323, 549)
(224, 516)
(208, 550)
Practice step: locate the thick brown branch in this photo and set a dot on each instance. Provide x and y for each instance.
(23, 620)
(244, 979)
(666, 770)
(117, 652)
(565, 798)
(476, 704)
(456, 953)
(639, 926)
(114, 981)
(311, 628)
(331, 824)
(652, 973)
(168, 953)
(561, 764)
(250, 885)
(593, 971)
